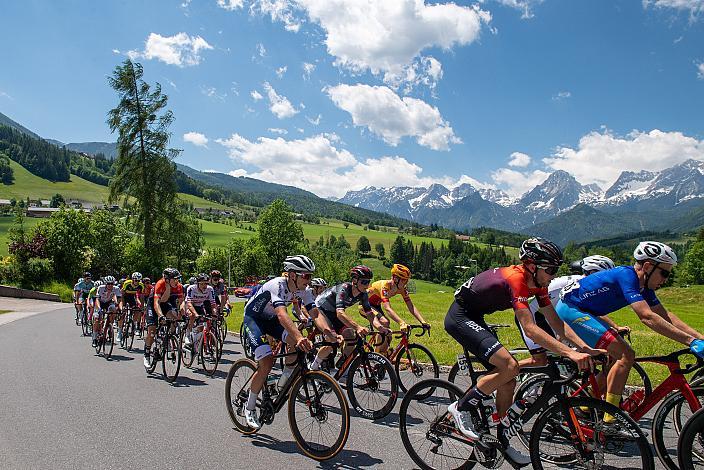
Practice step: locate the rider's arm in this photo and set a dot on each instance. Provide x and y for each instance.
(415, 312)
(534, 332)
(386, 305)
(346, 319)
(661, 321)
(157, 307)
(287, 323)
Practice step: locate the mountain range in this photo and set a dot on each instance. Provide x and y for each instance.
(559, 208)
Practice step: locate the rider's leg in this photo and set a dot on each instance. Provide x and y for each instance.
(384, 346)
(536, 359)
(501, 379)
(616, 379)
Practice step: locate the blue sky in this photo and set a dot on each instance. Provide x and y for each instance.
(331, 95)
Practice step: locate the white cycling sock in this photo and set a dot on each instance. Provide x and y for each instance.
(252, 400)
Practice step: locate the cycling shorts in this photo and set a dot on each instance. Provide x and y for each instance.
(108, 307)
(205, 309)
(473, 334)
(256, 331)
(588, 327)
(152, 318)
(540, 320)
(130, 299)
(335, 323)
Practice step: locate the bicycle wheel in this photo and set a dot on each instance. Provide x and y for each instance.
(187, 350)
(84, 323)
(246, 343)
(223, 330)
(237, 392)
(109, 342)
(428, 432)
(318, 415)
(78, 317)
(209, 352)
(571, 433)
(124, 336)
(171, 360)
(153, 357)
(668, 421)
(130, 335)
(690, 448)
(414, 364)
(372, 385)
(463, 379)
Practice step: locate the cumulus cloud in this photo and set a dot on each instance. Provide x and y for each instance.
(231, 5)
(283, 11)
(519, 159)
(516, 183)
(256, 96)
(279, 105)
(525, 6)
(261, 50)
(212, 92)
(385, 37)
(700, 71)
(600, 157)
(694, 7)
(281, 71)
(308, 68)
(562, 95)
(196, 138)
(277, 130)
(391, 117)
(180, 49)
(315, 121)
(325, 168)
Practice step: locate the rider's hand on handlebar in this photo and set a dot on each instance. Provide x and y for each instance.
(362, 330)
(385, 330)
(594, 352)
(623, 330)
(403, 326)
(583, 360)
(426, 325)
(304, 344)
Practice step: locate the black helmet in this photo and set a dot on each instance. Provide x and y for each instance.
(171, 273)
(361, 272)
(576, 267)
(203, 277)
(191, 280)
(541, 252)
(87, 275)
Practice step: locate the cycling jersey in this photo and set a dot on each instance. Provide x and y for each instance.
(130, 288)
(104, 296)
(274, 294)
(604, 292)
(499, 289)
(198, 297)
(219, 289)
(340, 296)
(84, 286)
(381, 291)
(160, 288)
(91, 293)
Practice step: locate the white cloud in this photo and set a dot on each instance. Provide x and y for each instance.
(281, 71)
(237, 173)
(519, 159)
(180, 49)
(308, 68)
(525, 6)
(391, 117)
(116, 51)
(388, 37)
(212, 92)
(600, 157)
(6, 95)
(196, 138)
(694, 7)
(278, 10)
(276, 130)
(562, 95)
(700, 71)
(261, 50)
(315, 121)
(256, 96)
(279, 105)
(231, 5)
(515, 183)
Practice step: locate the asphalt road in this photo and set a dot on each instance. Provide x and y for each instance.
(64, 407)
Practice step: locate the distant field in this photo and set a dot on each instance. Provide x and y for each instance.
(5, 223)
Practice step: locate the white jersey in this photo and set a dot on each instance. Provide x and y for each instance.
(554, 289)
(104, 296)
(275, 294)
(198, 297)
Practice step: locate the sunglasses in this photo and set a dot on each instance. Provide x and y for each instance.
(305, 275)
(365, 282)
(550, 270)
(664, 273)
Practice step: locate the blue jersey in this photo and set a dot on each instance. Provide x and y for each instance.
(607, 291)
(84, 286)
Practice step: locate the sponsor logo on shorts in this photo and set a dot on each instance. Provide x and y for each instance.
(474, 326)
(488, 352)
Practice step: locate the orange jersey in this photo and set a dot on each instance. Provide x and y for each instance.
(381, 291)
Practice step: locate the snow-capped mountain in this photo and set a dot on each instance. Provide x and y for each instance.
(464, 206)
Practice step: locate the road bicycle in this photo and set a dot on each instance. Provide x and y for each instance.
(204, 344)
(105, 339)
(570, 432)
(166, 348)
(690, 448)
(128, 328)
(86, 321)
(318, 413)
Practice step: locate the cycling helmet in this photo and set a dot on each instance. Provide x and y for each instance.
(87, 275)
(203, 277)
(400, 271)
(655, 251)
(98, 283)
(299, 264)
(361, 272)
(146, 280)
(80, 279)
(171, 273)
(576, 267)
(215, 274)
(191, 280)
(109, 280)
(318, 282)
(540, 251)
(596, 263)
(122, 280)
(136, 276)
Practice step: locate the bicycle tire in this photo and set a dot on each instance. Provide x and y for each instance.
(170, 359)
(366, 375)
(84, 323)
(320, 388)
(109, 342)
(416, 434)
(223, 330)
(152, 357)
(240, 374)
(693, 431)
(187, 350)
(246, 343)
(673, 402)
(555, 420)
(130, 335)
(415, 366)
(208, 350)
(464, 381)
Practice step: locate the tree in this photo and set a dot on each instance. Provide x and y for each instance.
(6, 174)
(57, 200)
(692, 270)
(363, 245)
(379, 248)
(68, 238)
(279, 234)
(109, 236)
(144, 169)
(346, 224)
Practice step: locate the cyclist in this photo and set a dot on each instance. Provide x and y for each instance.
(266, 314)
(106, 300)
(381, 291)
(332, 304)
(81, 289)
(76, 294)
(316, 287)
(218, 284)
(192, 281)
(163, 302)
(200, 300)
(91, 299)
(588, 265)
(131, 292)
(584, 303)
(499, 289)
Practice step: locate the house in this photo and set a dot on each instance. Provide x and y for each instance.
(41, 211)
(464, 238)
(45, 203)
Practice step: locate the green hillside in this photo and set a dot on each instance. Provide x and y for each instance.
(5, 223)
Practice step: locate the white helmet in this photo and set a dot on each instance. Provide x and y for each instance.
(98, 283)
(596, 263)
(655, 251)
(136, 276)
(299, 264)
(109, 280)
